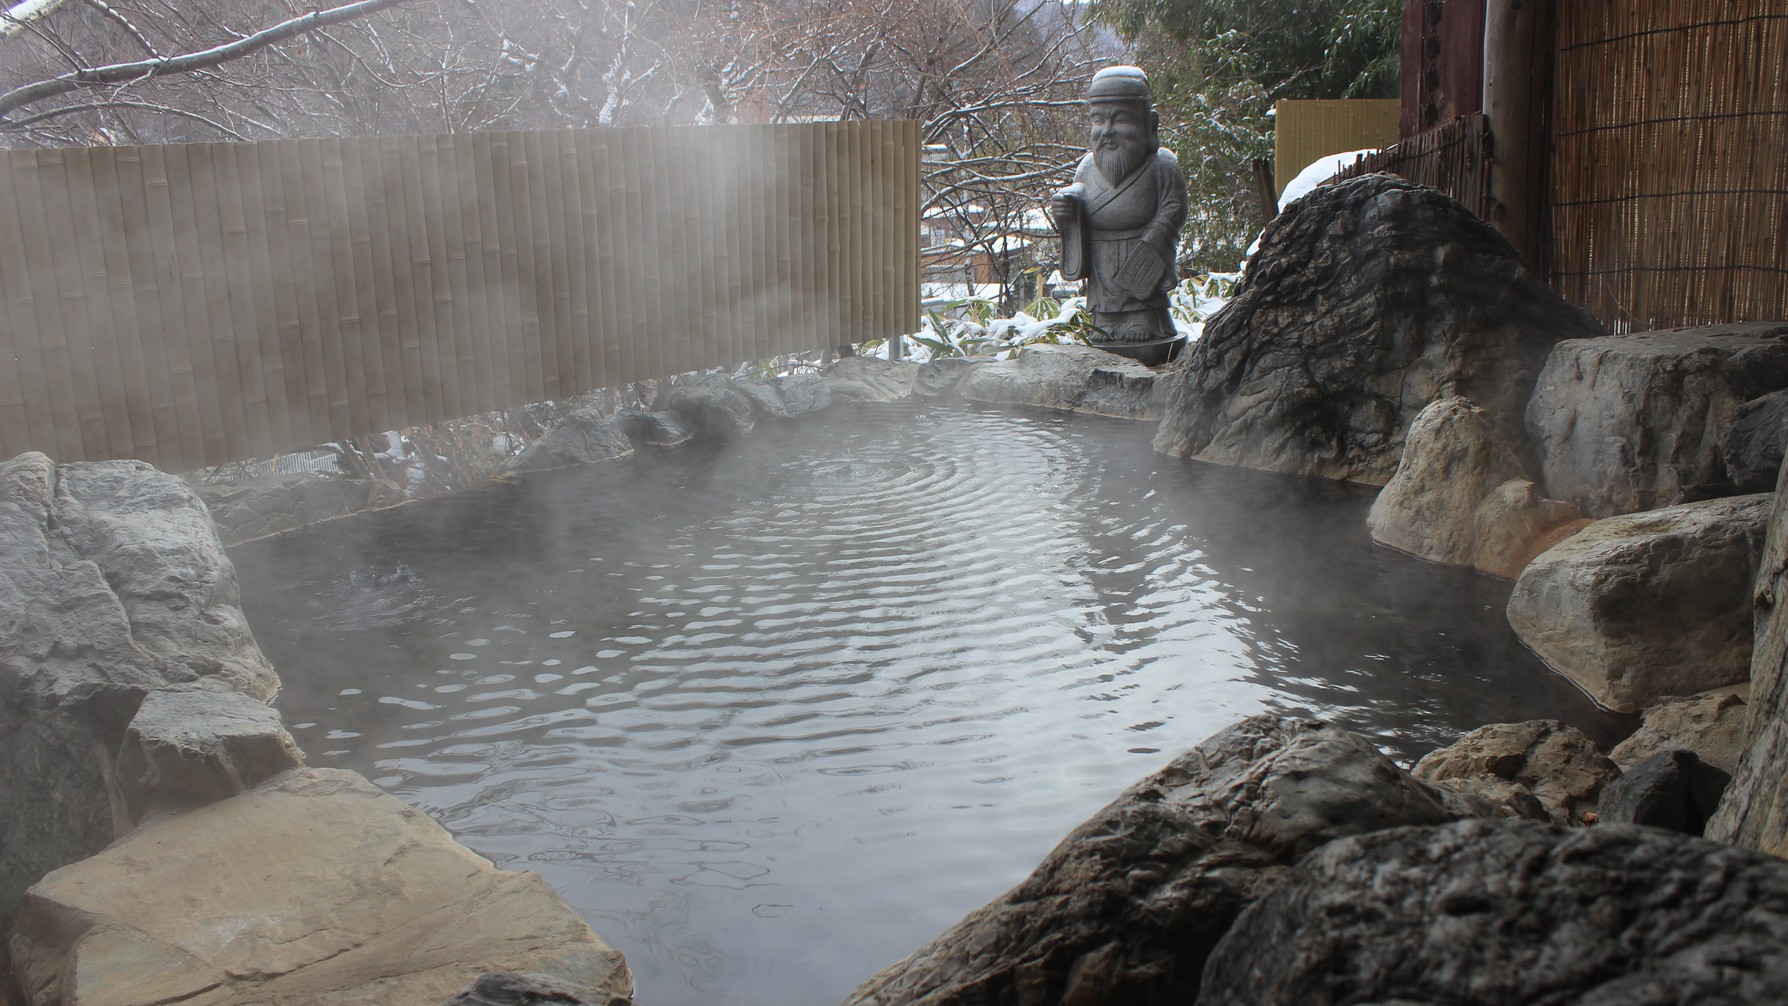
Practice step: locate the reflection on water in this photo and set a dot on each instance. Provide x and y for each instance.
(772, 717)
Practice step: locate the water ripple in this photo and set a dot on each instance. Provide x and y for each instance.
(813, 699)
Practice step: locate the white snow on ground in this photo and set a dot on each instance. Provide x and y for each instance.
(950, 329)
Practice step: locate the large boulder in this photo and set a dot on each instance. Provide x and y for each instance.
(1126, 908)
(1755, 442)
(113, 584)
(313, 887)
(713, 407)
(1754, 810)
(1646, 605)
(1554, 764)
(244, 511)
(1368, 300)
(1626, 423)
(1487, 913)
(1460, 495)
(1073, 378)
(582, 437)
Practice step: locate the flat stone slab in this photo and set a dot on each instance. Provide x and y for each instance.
(1642, 606)
(1073, 378)
(312, 888)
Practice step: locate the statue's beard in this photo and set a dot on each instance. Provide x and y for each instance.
(1116, 162)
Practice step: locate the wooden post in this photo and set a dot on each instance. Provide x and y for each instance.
(1518, 70)
(1266, 189)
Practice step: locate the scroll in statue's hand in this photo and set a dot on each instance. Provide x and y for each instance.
(1140, 275)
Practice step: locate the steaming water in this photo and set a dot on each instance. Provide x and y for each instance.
(771, 718)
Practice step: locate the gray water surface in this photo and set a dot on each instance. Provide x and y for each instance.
(771, 717)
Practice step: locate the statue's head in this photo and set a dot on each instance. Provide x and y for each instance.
(1124, 127)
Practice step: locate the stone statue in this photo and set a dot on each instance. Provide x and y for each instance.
(1120, 221)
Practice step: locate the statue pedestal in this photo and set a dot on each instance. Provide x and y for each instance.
(1149, 354)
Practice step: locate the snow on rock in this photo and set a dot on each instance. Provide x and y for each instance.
(1318, 171)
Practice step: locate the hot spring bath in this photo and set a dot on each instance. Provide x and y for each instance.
(771, 717)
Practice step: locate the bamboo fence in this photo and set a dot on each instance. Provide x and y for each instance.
(195, 304)
(1452, 157)
(1670, 177)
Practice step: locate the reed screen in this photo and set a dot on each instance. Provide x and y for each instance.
(1670, 178)
(201, 303)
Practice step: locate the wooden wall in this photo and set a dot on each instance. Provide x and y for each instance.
(201, 303)
(1306, 130)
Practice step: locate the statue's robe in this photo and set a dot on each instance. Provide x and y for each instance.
(1122, 240)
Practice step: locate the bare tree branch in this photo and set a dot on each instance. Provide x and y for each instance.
(117, 73)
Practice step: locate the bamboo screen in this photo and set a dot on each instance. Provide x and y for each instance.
(195, 304)
(1306, 130)
(1670, 184)
(1452, 157)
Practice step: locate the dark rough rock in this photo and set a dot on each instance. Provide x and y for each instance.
(1460, 496)
(1754, 812)
(248, 510)
(506, 988)
(1557, 765)
(713, 407)
(1367, 301)
(1487, 913)
(186, 747)
(1625, 423)
(1673, 790)
(867, 379)
(1074, 378)
(1641, 606)
(112, 584)
(654, 429)
(1711, 725)
(1755, 442)
(582, 437)
(1125, 909)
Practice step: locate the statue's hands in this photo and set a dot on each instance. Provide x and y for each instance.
(1064, 205)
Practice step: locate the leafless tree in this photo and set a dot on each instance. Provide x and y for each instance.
(994, 83)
